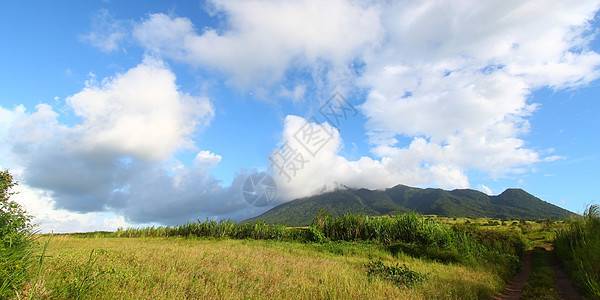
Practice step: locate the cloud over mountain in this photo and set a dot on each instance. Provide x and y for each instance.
(445, 89)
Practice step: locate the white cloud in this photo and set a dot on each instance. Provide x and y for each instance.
(485, 189)
(296, 94)
(152, 195)
(139, 113)
(456, 77)
(207, 158)
(116, 163)
(107, 33)
(327, 169)
(137, 116)
(453, 78)
(264, 39)
(40, 205)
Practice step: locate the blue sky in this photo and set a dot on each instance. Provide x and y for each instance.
(120, 114)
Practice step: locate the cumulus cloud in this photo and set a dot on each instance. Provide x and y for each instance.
(120, 158)
(189, 193)
(452, 78)
(139, 113)
(455, 79)
(448, 89)
(40, 204)
(299, 173)
(264, 39)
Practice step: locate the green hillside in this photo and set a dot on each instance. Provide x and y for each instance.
(511, 204)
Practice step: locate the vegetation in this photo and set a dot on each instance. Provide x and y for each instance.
(210, 228)
(400, 275)
(417, 236)
(387, 254)
(541, 283)
(354, 256)
(15, 239)
(511, 204)
(578, 247)
(409, 233)
(208, 268)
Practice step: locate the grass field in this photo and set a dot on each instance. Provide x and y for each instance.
(351, 256)
(125, 266)
(190, 268)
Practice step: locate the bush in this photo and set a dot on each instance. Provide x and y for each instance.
(313, 234)
(400, 275)
(16, 232)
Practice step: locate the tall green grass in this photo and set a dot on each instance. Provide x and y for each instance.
(578, 247)
(220, 229)
(409, 233)
(413, 234)
(15, 260)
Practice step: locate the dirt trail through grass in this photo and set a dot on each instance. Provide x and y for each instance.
(564, 287)
(562, 284)
(514, 289)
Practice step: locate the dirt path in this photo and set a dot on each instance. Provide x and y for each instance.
(514, 289)
(564, 287)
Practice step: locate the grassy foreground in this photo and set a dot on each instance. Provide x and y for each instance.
(191, 268)
(407, 256)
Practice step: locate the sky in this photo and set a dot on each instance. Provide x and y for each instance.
(119, 113)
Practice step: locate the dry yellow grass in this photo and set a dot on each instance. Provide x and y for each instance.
(180, 268)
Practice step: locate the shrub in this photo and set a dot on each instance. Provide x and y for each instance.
(313, 234)
(16, 233)
(400, 275)
(492, 223)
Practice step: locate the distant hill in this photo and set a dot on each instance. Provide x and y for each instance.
(510, 204)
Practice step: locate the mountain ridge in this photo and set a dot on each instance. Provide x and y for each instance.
(513, 203)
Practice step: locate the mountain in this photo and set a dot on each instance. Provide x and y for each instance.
(510, 204)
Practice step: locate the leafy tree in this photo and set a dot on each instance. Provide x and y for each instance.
(16, 232)
(15, 223)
